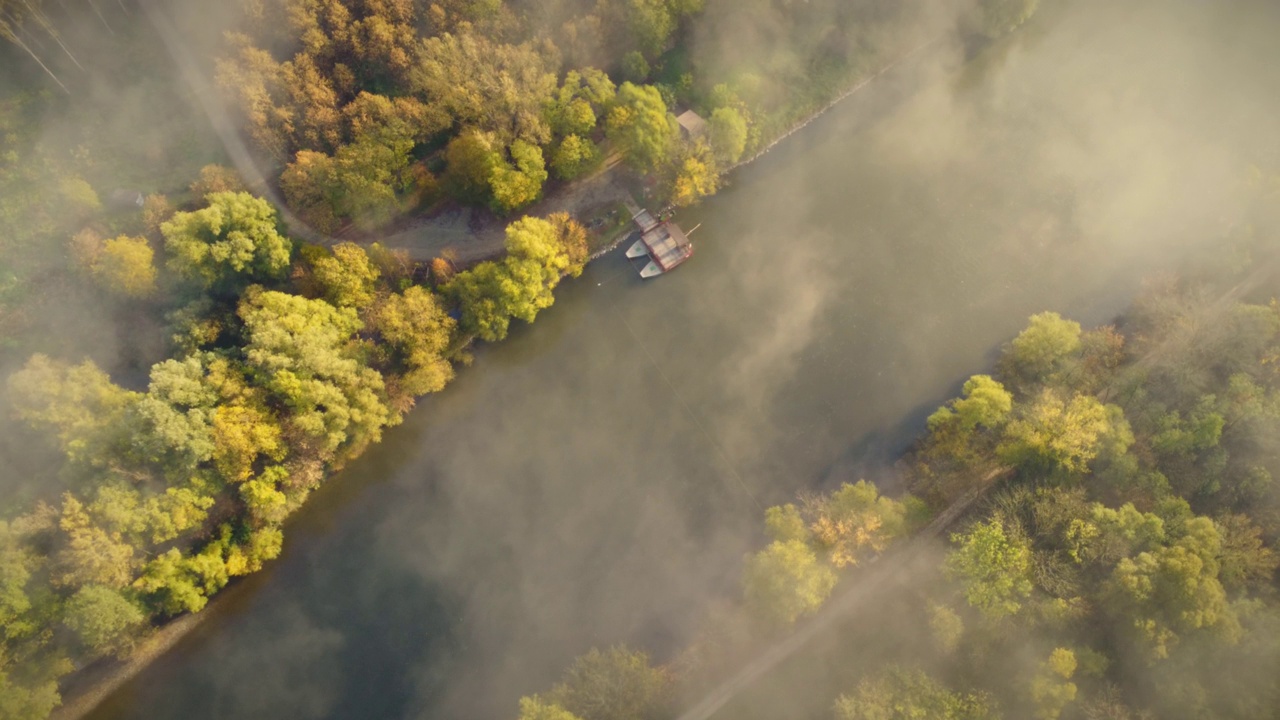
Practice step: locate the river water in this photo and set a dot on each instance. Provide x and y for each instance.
(597, 477)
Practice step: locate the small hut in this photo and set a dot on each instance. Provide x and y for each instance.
(692, 126)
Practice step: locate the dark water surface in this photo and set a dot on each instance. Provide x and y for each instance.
(598, 477)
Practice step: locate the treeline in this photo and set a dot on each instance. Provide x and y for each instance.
(1122, 563)
(374, 109)
(290, 360)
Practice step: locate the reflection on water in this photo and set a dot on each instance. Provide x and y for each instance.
(598, 477)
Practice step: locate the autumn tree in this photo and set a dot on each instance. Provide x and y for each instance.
(1058, 434)
(415, 324)
(217, 178)
(535, 708)
(126, 266)
(853, 522)
(234, 240)
(347, 276)
(695, 178)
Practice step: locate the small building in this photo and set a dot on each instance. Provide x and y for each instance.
(692, 126)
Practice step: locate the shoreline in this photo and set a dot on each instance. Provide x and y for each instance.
(115, 674)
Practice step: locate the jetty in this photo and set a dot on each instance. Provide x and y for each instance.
(663, 242)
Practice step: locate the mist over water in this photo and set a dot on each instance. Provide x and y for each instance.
(597, 478)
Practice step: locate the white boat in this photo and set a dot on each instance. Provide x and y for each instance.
(650, 270)
(637, 250)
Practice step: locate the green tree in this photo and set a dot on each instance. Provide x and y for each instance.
(301, 352)
(1172, 591)
(641, 127)
(27, 702)
(126, 266)
(233, 240)
(617, 684)
(89, 554)
(15, 572)
(170, 585)
(786, 580)
(470, 160)
(901, 694)
(519, 286)
(414, 323)
(727, 132)
(104, 620)
(993, 568)
(175, 416)
(1051, 688)
(519, 186)
(1043, 345)
(985, 403)
(635, 68)
(347, 275)
(574, 156)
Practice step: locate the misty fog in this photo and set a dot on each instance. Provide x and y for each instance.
(598, 477)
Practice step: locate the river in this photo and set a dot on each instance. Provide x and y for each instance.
(597, 477)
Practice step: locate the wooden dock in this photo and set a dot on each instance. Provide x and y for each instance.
(664, 243)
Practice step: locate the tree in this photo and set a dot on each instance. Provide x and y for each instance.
(1057, 434)
(617, 684)
(634, 67)
(493, 87)
(300, 351)
(90, 554)
(695, 179)
(79, 404)
(993, 568)
(516, 187)
(903, 694)
(170, 585)
(786, 580)
(1051, 688)
(985, 403)
(1047, 340)
(574, 156)
(362, 180)
(727, 132)
(1174, 590)
(104, 620)
(217, 178)
(15, 572)
(416, 325)
(347, 276)
(176, 413)
(535, 708)
(470, 160)
(854, 520)
(234, 240)
(126, 266)
(519, 286)
(641, 127)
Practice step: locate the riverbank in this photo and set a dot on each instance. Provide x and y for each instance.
(106, 678)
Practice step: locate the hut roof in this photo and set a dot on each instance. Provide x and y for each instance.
(692, 123)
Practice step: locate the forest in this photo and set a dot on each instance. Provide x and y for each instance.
(1133, 519)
